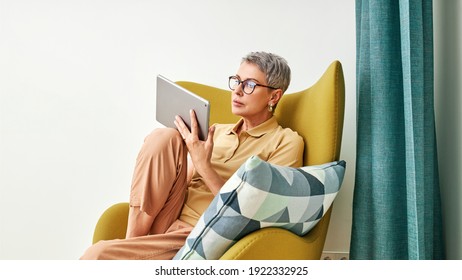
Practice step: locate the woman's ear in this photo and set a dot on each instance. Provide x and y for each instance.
(276, 96)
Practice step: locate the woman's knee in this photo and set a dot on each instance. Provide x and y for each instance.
(163, 137)
(163, 145)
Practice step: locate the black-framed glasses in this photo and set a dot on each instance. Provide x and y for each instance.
(248, 86)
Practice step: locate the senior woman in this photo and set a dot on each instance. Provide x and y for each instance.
(170, 190)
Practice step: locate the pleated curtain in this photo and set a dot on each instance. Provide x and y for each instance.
(396, 202)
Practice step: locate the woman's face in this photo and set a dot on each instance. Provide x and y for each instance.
(252, 107)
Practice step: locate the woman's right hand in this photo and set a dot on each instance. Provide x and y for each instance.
(200, 151)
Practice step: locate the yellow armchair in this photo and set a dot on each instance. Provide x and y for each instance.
(317, 115)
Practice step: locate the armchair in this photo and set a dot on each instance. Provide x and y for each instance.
(316, 113)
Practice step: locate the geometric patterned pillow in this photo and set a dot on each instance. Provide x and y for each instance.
(262, 195)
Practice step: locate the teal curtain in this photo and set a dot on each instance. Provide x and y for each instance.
(396, 203)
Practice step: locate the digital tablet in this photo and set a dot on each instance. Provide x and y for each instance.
(173, 100)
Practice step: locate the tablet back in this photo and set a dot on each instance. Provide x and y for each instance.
(173, 100)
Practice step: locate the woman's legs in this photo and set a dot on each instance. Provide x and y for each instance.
(159, 183)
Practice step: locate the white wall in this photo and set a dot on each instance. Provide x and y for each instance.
(448, 106)
(77, 98)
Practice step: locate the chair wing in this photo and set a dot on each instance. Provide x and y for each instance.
(317, 115)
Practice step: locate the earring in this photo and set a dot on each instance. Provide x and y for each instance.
(270, 107)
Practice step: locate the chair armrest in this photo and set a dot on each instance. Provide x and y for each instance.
(113, 223)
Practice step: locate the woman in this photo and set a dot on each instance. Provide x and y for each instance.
(170, 193)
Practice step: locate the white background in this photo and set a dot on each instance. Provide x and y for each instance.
(77, 85)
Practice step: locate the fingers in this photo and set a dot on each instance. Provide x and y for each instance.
(181, 126)
(210, 136)
(183, 129)
(194, 125)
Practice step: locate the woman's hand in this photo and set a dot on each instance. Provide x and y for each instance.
(200, 151)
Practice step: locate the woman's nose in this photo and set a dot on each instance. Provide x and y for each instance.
(238, 90)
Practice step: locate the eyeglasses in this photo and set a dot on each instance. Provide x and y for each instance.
(248, 86)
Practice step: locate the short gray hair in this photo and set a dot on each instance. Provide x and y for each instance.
(276, 69)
